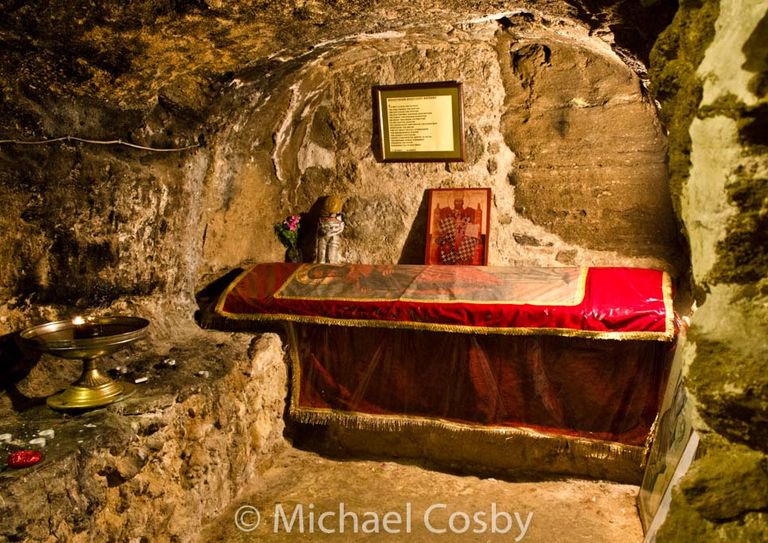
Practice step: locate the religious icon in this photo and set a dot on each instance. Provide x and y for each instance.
(458, 223)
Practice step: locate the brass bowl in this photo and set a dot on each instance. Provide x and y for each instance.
(87, 339)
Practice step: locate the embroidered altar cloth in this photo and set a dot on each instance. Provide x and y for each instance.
(605, 303)
(559, 354)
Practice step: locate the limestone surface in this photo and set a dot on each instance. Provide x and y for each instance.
(710, 79)
(158, 465)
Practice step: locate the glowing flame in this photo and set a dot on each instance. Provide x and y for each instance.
(78, 320)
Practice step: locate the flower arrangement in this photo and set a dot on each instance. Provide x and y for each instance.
(288, 233)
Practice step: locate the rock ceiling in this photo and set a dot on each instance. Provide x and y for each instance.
(128, 56)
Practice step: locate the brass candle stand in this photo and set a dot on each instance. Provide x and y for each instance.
(87, 339)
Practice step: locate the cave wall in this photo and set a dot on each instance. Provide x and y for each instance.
(568, 142)
(556, 122)
(84, 226)
(710, 73)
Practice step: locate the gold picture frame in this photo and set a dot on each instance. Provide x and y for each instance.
(458, 223)
(420, 122)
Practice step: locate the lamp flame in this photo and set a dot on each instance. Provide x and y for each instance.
(78, 320)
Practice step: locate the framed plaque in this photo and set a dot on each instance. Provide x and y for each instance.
(420, 122)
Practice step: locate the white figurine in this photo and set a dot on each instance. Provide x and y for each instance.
(329, 229)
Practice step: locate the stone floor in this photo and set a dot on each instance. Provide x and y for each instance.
(399, 502)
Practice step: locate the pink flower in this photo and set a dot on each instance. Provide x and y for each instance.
(292, 222)
(288, 231)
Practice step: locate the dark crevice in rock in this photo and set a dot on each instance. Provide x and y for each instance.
(756, 52)
(634, 25)
(743, 253)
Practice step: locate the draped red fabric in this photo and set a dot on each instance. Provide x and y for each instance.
(570, 351)
(607, 390)
(618, 303)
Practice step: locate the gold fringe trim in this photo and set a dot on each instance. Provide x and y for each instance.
(578, 446)
(295, 364)
(669, 310)
(457, 328)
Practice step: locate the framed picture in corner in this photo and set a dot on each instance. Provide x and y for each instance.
(458, 222)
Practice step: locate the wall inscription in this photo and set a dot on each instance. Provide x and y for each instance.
(420, 122)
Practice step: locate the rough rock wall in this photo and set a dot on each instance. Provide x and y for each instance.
(590, 156)
(712, 82)
(85, 226)
(555, 124)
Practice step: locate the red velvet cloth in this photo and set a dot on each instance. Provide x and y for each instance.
(405, 365)
(606, 390)
(611, 303)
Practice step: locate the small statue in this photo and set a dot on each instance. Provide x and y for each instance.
(329, 229)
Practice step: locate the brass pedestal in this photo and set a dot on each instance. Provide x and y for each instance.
(87, 339)
(92, 389)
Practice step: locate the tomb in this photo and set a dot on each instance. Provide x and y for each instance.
(555, 359)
